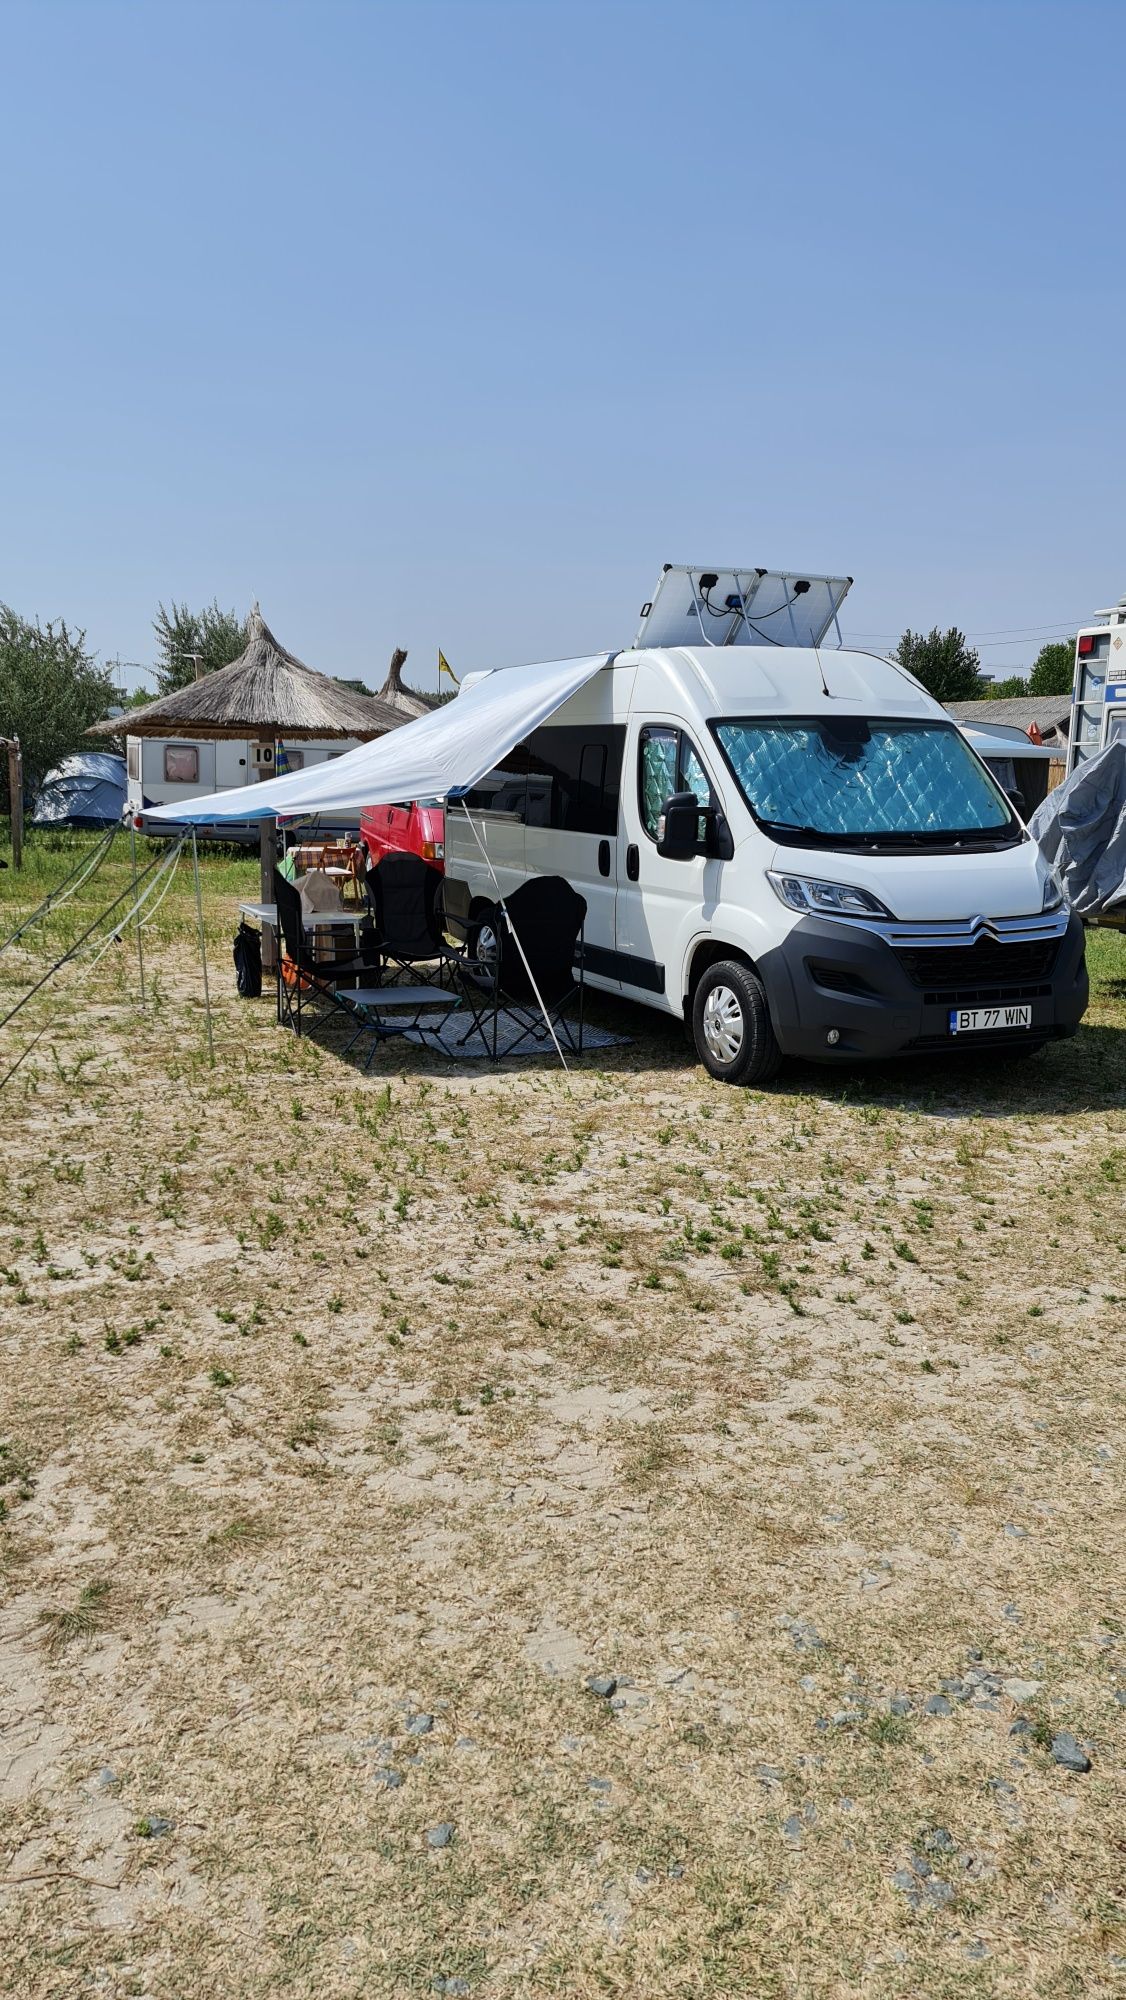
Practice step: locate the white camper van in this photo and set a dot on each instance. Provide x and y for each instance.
(792, 847)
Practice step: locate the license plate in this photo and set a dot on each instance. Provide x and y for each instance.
(976, 1020)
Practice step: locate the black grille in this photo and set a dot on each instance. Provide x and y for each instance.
(997, 1038)
(974, 967)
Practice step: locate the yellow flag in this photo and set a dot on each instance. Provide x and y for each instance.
(444, 667)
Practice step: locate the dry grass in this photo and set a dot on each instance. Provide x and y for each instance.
(439, 1391)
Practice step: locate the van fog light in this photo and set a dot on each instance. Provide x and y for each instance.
(833, 1037)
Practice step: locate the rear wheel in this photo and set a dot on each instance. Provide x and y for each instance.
(483, 936)
(731, 1025)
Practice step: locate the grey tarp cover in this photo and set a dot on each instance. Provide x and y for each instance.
(1081, 830)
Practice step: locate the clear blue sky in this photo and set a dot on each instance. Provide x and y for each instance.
(449, 323)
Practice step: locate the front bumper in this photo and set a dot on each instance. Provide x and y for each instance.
(884, 1001)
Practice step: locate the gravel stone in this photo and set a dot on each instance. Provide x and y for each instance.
(792, 1828)
(1021, 1727)
(1066, 1751)
(440, 1835)
(901, 1704)
(808, 1685)
(602, 1785)
(1120, 1696)
(937, 1840)
(389, 1779)
(1014, 1533)
(420, 1725)
(938, 1892)
(603, 1685)
(152, 1827)
(937, 1704)
(806, 1637)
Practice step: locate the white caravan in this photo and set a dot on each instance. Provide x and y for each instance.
(1098, 695)
(169, 770)
(793, 848)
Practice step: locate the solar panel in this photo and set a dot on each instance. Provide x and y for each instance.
(740, 607)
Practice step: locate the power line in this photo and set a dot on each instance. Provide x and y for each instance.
(1063, 627)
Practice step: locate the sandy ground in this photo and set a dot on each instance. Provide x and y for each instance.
(353, 1425)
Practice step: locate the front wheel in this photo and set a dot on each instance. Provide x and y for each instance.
(731, 1025)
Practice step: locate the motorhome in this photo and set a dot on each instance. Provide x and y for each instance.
(168, 770)
(790, 846)
(1098, 696)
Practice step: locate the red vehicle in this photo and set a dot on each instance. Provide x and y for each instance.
(415, 829)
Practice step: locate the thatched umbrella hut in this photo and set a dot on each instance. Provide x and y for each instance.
(265, 697)
(409, 701)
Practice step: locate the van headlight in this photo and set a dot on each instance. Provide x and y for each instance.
(825, 899)
(1053, 894)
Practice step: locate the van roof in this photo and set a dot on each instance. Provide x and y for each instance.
(767, 680)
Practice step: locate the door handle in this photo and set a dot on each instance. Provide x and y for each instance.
(633, 862)
(604, 857)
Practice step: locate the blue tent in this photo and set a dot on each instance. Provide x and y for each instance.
(87, 789)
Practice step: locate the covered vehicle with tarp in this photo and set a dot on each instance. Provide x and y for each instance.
(1081, 831)
(86, 790)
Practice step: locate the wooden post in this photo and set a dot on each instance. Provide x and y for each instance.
(268, 861)
(15, 797)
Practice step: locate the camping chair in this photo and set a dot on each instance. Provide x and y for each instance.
(404, 893)
(547, 916)
(302, 972)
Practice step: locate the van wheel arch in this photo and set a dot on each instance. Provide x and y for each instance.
(707, 953)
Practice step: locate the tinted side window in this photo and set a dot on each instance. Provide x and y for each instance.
(575, 776)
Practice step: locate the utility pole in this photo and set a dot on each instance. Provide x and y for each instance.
(15, 795)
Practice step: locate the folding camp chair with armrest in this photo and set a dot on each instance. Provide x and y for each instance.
(404, 894)
(538, 970)
(302, 971)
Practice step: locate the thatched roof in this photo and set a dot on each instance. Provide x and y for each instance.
(263, 695)
(411, 701)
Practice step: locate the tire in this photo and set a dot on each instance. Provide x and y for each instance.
(731, 1025)
(482, 935)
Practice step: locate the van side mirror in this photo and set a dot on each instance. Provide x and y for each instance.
(678, 829)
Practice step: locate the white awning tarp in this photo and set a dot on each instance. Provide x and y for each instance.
(437, 756)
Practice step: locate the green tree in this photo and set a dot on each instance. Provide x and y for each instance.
(1053, 669)
(947, 667)
(51, 690)
(188, 639)
(1006, 690)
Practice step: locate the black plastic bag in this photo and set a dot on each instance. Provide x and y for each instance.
(247, 955)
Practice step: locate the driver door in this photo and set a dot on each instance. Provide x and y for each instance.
(660, 902)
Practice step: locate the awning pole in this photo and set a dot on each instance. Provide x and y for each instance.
(515, 933)
(202, 947)
(136, 909)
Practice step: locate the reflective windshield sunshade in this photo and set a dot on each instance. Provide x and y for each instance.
(855, 779)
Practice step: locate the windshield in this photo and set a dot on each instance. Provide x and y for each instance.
(848, 781)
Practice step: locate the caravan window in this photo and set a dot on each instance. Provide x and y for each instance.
(133, 758)
(181, 764)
